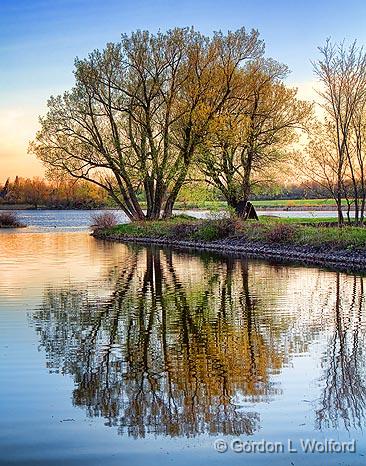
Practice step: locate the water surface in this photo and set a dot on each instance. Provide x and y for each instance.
(112, 354)
(80, 220)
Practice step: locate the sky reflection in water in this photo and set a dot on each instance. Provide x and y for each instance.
(171, 351)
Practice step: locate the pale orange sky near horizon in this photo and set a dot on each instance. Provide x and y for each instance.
(40, 40)
(18, 126)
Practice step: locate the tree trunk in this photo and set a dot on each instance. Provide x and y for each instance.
(339, 212)
(168, 209)
(239, 207)
(338, 199)
(157, 201)
(169, 204)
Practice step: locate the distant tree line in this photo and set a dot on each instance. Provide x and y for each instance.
(71, 194)
(64, 193)
(297, 190)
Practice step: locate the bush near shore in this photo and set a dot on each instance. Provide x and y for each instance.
(301, 232)
(10, 220)
(103, 221)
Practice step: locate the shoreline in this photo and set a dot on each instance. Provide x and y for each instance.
(336, 259)
(293, 208)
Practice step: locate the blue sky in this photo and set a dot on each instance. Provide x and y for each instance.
(39, 40)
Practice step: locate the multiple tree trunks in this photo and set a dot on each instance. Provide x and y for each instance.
(336, 152)
(144, 110)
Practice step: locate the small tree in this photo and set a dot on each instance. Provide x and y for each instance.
(342, 74)
(322, 163)
(253, 132)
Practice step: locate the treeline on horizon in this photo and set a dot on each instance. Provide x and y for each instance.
(70, 194)
(59, 194)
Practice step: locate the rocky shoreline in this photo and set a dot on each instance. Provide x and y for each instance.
(336, 259)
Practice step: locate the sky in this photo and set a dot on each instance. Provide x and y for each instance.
(39, 40)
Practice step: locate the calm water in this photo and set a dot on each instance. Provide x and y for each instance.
(119, 355)
(79, 220)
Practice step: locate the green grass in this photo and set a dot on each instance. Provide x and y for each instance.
(298, 220)
(284, 203)
(274, 203)
(202, 205)
(153, 228)
(304, 232)
(340, 238)
(348, 237)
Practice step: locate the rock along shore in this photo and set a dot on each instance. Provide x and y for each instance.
(342, 260)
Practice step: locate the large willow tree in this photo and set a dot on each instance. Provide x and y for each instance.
(138, 110)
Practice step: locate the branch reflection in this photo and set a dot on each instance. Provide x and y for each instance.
(344, 395)
(164, 355)
(182, 345)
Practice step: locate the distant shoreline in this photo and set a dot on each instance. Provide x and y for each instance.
(30, 207)
(295, 208)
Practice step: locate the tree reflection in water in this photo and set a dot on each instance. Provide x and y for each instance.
(182, 344)
(344, 394)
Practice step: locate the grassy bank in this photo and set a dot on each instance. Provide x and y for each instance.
(313, 233)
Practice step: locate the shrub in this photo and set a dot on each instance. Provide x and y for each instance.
(212, 230)
(103, 221)
(280, 233)
(9, 220)
(252, 230)
(183, 230)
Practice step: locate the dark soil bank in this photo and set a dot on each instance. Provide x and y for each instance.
(343, 260)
